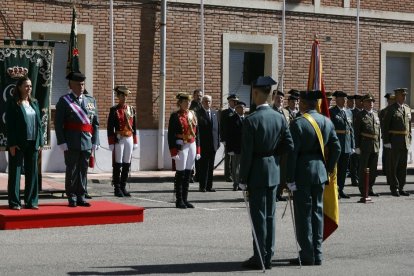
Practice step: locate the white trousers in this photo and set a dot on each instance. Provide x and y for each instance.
(187, 157)
(123, 150)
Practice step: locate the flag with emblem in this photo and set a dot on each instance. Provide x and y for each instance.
(330, 195)
(73, 52)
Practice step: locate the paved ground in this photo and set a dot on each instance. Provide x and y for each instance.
(213, 239)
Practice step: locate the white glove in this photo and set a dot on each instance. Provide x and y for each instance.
(224, 143)
(176, 157)
(352, 150)
(387, 146)
(231, 153)
(292, 186)
(198, 156)
(135, 146)
(243, 187)
(63, 147)
(111, 147)
(95, 147)
(179, 142)
(358, 151)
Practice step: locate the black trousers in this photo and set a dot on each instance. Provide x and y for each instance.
(76, 162)
(206, 168)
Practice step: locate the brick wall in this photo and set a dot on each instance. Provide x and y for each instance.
(333, 3)
(137, 42)
(386, 5)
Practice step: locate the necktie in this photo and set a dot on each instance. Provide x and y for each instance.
(209, 115)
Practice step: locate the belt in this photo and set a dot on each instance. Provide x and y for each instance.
(367, 135)
(398, 132)
(188, 139)
(263, 154)
(124, 133)
(311, 152)
(79, 127)
(342, 131)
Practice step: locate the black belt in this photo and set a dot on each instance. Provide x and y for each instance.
(313, 152)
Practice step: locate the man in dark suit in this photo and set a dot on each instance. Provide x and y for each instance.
(209, 143)
(77, 134)
(342, 120)
(195, 105)
(308, 173)
(265, 133)
(224, 118)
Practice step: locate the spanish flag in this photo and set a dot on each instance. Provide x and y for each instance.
(330, 196)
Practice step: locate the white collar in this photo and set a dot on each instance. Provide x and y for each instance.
(265, 104)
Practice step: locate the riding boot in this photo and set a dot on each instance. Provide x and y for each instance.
(116, 171)
(186, 184)
(179, 177)
(124, 177)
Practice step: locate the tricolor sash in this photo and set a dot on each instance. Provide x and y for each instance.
(77, 109)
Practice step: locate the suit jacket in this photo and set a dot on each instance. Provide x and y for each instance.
(76, 140)
(234, 136)
(306, 165)
(284, 112)
(367, 124)
(397, 119)
(224, 121)
(343, 123)
(265, 132)
(209, 131)
(195, 105)
(16, 125)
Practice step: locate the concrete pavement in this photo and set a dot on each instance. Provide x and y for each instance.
(212, 239)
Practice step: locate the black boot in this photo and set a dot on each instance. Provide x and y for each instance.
(186, 184)
(179, 177)
(116, 171)
(124, 177)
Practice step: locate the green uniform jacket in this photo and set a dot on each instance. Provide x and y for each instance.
(17, 127)
(265, 133)
(306, 165)
(367, 124)
(76, 140)
(343, 123)
(397, 119)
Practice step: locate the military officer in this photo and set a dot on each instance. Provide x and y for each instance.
(278, 97)
(329, 98)
(224, 118)
(397, 138)
(385, 152)
(307, 174)
(367, 143)
(354, 159)
(265, 132)
(342, 120)
(77, 134)
(350, 102)
(293, 104)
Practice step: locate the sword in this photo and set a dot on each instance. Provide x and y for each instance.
(294, 225)
(253, 231)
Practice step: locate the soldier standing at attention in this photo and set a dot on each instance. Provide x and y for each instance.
(385, 152)
(307, 174)
(224, 119)
(367, 142)
(397, 138)
(278, 97)
(265, 132)
(77, 134)
(122, 139)
(342, 120)
(354, 159)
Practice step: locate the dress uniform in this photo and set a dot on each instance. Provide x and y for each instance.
(122, 139)
(367, 142)
(329, 96)
(354, 159)
(224, 118)
(183, 141)
(342, 120)
(292, 103)
(278, 107)
(307, 174)
(397, 138)
(265, 132)
(77, 134)
(386, 157)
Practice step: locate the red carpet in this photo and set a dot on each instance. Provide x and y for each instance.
(60, 215)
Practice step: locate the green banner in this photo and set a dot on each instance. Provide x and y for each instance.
(36, 62)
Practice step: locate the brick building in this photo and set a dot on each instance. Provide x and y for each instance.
(232, 29)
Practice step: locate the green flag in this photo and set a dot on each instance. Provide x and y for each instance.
(73, 52)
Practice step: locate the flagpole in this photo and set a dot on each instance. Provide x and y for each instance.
(357, 50)
(283, 45)
(202, 43)
(163, 51)
(111, 20)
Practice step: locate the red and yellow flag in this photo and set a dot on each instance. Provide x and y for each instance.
(330, 196)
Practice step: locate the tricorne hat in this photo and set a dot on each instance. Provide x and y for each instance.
(265, 81)
(122, 89)
(339, 94)
(232, 97)
(368, 97)
(311, 95)
(183, 96)
(76, 76)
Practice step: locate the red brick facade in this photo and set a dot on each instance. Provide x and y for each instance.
(137, 43)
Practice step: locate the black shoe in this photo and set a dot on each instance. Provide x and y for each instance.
(280, 198)
(252, 263)
(229, 179)
(268, 266)
(302, 262)
(211, 190)
(404, 193)
(72, 204)
(373, 194)
(202, 190)
(118, 193)
(34, 207)
(88, 196)
(235, 188)
(15, 207)
(180, 205)
(318, 263)
(188, 204)
(191, 179)
(395, 193)
(343, 195)
(83, 203)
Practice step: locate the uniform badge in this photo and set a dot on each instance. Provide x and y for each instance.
(90, 106)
